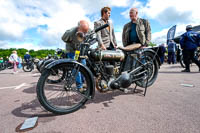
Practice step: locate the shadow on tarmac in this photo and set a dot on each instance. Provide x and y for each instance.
(33, 108)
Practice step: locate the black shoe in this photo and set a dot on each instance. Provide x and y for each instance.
(185, 70)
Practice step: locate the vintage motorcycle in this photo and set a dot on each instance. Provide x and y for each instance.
(138, 67)
(29, 65)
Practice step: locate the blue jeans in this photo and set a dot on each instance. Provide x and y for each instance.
(171, 57)
(79, 78)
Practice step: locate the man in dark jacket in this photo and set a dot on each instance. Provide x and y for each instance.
(27, 57)
(189, 42)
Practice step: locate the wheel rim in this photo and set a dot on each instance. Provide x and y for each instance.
(64, 95)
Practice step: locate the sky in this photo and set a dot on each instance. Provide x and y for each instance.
(40, 24)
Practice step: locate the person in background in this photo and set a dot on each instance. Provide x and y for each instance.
(20, 62)
(27, 57)
(161, 52)
(13, 59)
(189, 42)
(1, 59)
(171, 52)
(72, 43)
(1, 62)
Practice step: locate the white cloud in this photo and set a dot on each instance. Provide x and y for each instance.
(118, 36)
(18, 16)
(169, 11)
(161, 36)
(95, 6)
(4, 44)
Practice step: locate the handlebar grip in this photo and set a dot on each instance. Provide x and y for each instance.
(101, 27)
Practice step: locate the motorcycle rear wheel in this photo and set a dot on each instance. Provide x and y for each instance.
(63, 97)
(151, 70)
(27, 68)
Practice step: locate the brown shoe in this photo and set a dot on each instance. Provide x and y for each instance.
(82, 90)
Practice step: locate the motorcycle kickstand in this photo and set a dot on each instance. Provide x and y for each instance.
(144, 90)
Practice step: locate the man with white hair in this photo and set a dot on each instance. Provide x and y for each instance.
(72, 43)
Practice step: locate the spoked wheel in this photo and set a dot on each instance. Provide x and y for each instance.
(10, 65)
(65, 96)
(57, 75)
(149, 72)
(27, 68)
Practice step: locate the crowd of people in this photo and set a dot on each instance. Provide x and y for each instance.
(189, 43)
(14, 61)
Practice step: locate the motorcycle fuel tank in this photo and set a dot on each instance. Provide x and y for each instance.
(107, 55)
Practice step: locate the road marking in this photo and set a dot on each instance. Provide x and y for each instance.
(15, 87)
(20, 86)
(7, 87)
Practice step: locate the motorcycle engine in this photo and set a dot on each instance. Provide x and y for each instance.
(123, 81)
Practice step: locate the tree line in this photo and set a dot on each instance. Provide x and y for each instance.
(5, 53)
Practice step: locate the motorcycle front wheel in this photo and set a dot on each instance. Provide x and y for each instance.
(65, 96)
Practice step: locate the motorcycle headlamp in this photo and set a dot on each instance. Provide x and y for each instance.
(80, 36)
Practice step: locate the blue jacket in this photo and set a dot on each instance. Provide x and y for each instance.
(27, 57)
(189, 40)
(171, 47)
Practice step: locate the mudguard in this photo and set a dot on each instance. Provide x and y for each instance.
(156, 55)
(45, 63)
(66, 61)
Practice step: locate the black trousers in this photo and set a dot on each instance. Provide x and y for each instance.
(188, 55)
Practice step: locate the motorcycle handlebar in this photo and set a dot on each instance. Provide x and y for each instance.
(101, 27)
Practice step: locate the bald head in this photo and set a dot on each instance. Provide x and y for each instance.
(133, 14)
(83, 26)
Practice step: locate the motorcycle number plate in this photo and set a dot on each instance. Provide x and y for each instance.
(77, 52)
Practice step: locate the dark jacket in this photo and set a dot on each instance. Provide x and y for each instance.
(189, 40)
(27, 57)
(172, 47)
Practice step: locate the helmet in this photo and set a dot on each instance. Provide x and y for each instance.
(189, 27)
